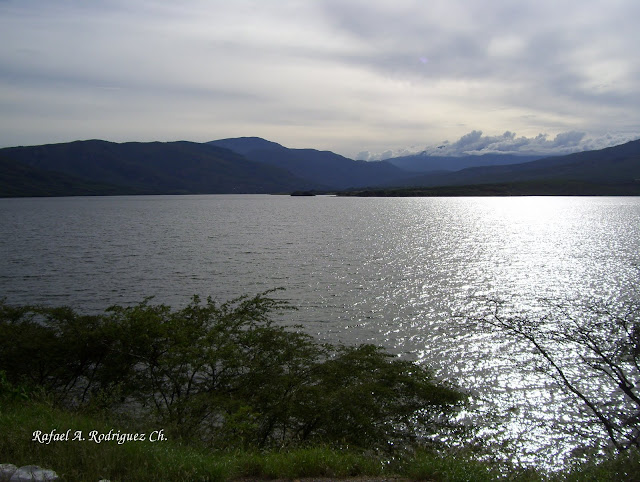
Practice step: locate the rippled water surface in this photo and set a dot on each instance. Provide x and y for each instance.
(402, 272)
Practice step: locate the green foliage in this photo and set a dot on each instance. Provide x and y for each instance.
(222, 375)
(171, 460)
(439, 467)
(86, 460)
(10, 392)
(51, 348)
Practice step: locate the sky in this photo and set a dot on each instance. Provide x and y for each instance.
(366, 79)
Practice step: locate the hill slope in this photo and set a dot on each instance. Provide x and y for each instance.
(322, 167)
(426, 163)
(618, 164)
(256, 165)
(157, 167)
(20, 180)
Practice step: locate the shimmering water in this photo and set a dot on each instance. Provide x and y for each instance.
(402, 272)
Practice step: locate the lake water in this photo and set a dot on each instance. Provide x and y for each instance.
(401, 272)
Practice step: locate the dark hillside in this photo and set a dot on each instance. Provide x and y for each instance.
(158, 167)
(20, 180)
(616, 164)
(323, 167)
(427, 163)
(246, 145)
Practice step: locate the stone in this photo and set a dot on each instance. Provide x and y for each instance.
(6, 471)
(29, 473)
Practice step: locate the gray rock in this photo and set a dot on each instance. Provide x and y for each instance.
(6, 471)
(30, 473)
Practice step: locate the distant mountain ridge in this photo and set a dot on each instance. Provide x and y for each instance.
(324, 167)
(245, 145)
(255, 165)
(429, 163)
(610, 165)
(157, 167)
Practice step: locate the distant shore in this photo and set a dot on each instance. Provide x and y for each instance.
(528, 188)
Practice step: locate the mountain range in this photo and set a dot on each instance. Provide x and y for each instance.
(618, 164)
(324, 167)
(427, 163)
(255, 165)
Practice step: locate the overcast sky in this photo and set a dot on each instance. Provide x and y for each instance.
(365, 79)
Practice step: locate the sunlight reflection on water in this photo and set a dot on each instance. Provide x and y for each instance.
(520, 250)
(403, 272)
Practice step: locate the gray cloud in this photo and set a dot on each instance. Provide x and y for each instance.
(332, 74)
(571, 58)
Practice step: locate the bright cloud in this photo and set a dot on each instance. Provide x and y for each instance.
(475, 143)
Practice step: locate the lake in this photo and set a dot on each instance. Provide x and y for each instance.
(405, 273)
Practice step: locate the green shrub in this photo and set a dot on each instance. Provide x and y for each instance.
(223, 375)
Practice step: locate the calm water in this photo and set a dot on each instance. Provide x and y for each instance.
(402, 272)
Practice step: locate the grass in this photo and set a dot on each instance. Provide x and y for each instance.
(621, 467)
(87, 460)
(161, 460)
(171, 460)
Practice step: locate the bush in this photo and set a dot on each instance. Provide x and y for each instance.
(222, 375)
